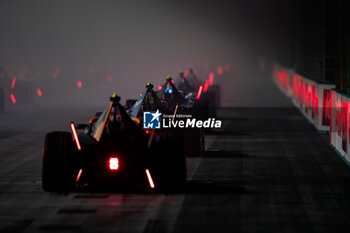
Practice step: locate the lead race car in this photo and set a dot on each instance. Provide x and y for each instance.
(113, 152)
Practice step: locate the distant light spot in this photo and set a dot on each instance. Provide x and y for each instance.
(79, 84)
(13, 98)
(55, 73)
(38, 91)
(109, 78)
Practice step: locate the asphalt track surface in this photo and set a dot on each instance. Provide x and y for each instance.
(266, 170)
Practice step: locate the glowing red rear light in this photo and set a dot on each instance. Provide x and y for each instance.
(150, 180)
(13, 98)
(13, 82)
(211, 78)
(113, 163)
(206, 84)
(75, 135)
(55, 73)
(79, 84)
(199, 92)
(78, 176)
(38, 91)
(159, 87)
(109, 78)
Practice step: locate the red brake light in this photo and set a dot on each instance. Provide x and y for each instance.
(113, 163)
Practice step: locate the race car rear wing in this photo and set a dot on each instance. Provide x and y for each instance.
(135, 109)
(101, 122)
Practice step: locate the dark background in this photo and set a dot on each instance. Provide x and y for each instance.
(139, 41)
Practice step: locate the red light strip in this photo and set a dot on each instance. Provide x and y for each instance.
(75, 135)
(206, 84)
(150, 180)
(199, 92)
(13, 98)
(78, 176)
(13, 82)
(175, 112)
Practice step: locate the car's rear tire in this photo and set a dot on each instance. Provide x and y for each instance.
(56, 162)
(172, 164)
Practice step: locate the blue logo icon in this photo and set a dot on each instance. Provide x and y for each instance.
(151, 120)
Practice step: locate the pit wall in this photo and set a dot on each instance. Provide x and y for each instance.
(311, 98)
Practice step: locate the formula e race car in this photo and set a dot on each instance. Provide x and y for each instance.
(171, 106)
(113, 152)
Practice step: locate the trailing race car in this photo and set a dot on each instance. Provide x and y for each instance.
(113, 152)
